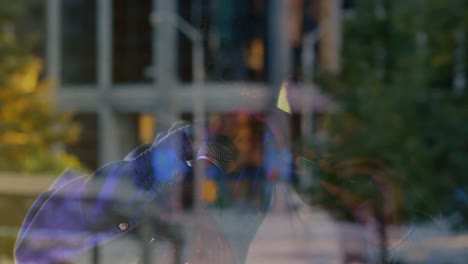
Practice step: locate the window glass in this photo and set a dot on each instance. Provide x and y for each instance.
(78, 41)
(131, 41)
(234, 39)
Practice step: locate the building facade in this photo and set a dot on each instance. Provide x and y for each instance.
(128, 69)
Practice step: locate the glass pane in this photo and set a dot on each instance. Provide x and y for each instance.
(234, 39)
(78, 42)
(372, 169)
(132, 40)
(85, 148)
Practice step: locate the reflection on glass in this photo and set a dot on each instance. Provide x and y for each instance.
(234, 34)
(132, 40)
(78, 43)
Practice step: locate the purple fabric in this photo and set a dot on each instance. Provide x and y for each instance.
(80, 213)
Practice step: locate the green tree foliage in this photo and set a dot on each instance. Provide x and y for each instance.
(30, 126)
(400, 135)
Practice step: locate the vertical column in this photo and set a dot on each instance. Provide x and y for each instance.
(165, 61)
(279, 61)
(330, 15)
(53, 50)
(108, 126)
(165, 76)
(279, 42)
(459, 79)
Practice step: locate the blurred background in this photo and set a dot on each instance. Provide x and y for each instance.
(377, 94)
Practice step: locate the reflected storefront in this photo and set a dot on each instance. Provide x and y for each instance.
(329, 134)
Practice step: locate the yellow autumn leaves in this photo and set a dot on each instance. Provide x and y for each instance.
(30, 126)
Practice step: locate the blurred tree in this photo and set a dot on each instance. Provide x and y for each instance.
(403, 105)
(30, 126)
